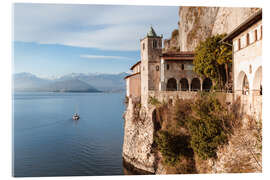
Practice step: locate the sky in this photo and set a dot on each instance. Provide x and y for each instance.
(50, 40)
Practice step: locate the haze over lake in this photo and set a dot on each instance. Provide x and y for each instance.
(47, 142)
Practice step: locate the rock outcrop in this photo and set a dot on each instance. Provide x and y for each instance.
(198, 23)
(138, 139)
(172, 44)
(195, 24)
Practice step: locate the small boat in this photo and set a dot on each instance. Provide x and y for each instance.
(76, 116)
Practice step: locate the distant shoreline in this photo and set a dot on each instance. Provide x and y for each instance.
(68, 91)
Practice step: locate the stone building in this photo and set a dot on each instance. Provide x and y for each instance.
(247, 62)
(159, 71)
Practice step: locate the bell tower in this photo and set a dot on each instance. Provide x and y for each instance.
(151, 50)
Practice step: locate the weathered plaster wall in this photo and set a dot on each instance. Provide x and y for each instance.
(134, 85)
(248, 60)
(150, 59)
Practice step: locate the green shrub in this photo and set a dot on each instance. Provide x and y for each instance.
(207, 126)
(172, 147)
(154, 101)
(182, 110)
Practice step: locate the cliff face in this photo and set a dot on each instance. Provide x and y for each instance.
(138, 139)
(195, 24)
(198, 23)
(172, 44)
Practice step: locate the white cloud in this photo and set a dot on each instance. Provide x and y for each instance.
(89, 56)
(94, 26)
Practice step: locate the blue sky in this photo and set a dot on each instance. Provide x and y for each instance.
(51, 40)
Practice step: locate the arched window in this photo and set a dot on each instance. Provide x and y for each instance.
(182, 67)
(195, 84)
(143, 46)
(157, 68)
(154, 43)
(257, 81)
(245, 86)
(171, 85)
(184, 84)
(168, 66)
(207, 84)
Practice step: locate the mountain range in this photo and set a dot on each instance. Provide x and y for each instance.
(74, 82)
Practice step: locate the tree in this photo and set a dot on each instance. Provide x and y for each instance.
(212, 59)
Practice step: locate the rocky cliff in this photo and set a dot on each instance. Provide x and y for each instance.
(198, 23)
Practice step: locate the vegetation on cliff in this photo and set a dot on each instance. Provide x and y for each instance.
(213, 59)
(191, 133)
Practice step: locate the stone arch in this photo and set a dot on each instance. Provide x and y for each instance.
(242, 83)
(195, 84)
(245, 85)
(171, 84)
(184, 86)
(207, 84)
(156, 120)
(257, 81)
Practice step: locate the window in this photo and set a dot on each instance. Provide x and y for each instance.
(182, 66)
(239, 43)
(247, 39)
(261, 32)
(143, 46)
(154, 43)
(157, 68)
(256, 34)
(168, 66)
(250, 69)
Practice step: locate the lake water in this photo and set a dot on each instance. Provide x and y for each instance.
(47, 142)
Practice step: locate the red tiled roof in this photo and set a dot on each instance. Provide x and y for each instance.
(132, 67)
(184, 55)
(132, 75)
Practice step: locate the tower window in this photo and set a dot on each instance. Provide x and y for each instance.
(143, 46)
(157, 68)
(256, 34)
(154, 43)
(168, 66)
(182, 66)
(261, 32)
(247, 39)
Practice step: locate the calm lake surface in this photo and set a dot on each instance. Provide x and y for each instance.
(47, 142)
